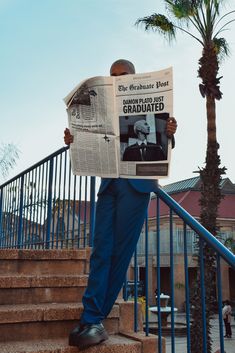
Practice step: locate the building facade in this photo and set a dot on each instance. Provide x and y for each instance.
(187, 194)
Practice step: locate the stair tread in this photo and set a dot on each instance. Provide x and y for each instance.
(27, 281)
(41, 306)
(44, 312)
(115, 343)
(42, 275)
(42, 254)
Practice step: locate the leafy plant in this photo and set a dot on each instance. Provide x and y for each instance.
(9, 154)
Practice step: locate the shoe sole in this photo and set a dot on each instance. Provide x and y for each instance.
(92, 341)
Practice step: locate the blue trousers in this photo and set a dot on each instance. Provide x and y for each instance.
(120, 215)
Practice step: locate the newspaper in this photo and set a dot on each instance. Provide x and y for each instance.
(119, 123)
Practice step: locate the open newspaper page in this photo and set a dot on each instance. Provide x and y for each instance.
(144, 102)
(91, 112)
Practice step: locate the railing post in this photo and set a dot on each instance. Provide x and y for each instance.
(203, 293)
(49, 209)
(187, 289)
(1, 193)
(92, 210)
(146, 276)
(172, 283)
(219, 286)
(85, 216)
(135, 291)
(19, 235)
(158, 264)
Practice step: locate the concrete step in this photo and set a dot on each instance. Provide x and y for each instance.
(38, 262)
(44, 321)
(115, 344)
(25, 289)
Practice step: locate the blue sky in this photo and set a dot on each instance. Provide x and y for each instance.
(49, 46)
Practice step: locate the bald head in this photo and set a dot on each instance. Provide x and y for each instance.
(141, 126)
(122, 67)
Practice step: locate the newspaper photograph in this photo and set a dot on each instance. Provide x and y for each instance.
(119, 125)
(144, 103)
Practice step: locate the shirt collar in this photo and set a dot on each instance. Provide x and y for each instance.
(140, 142)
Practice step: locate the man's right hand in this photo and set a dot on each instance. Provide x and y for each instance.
(68, 138)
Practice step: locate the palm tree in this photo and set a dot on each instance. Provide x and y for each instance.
(201, 20)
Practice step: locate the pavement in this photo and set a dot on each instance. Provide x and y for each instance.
(181, 342)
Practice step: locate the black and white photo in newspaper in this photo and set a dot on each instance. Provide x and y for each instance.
(144, 103)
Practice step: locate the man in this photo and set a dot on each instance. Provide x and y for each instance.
(120, 212)
(143, 150)
(227, 316)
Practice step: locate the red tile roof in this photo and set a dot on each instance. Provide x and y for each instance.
(189, 200)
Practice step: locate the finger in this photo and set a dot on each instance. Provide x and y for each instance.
(66, 131)
(171, 130)
(171, 119)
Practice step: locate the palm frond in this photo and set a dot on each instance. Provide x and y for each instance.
(216, 4)
(182, 9)
(221, 18)
(224, 26)
(221, 48)
(214, 10)
(189, 12)
(9, 153)
(158, 23)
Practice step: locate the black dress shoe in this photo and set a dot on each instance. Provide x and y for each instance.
(73, 334)
(87, 335)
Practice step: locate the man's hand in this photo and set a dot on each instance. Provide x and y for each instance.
(171, 127)
(68, 138)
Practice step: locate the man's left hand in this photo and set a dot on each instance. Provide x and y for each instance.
(171, 127)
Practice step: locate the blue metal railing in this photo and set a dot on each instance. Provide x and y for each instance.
(197, 227)
(190, 226)
(47, 207)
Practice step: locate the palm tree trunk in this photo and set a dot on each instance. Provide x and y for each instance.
(211, 120)
(210, 199)
(211, 174)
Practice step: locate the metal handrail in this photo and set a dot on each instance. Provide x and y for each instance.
(34, 166)
(197, 227)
